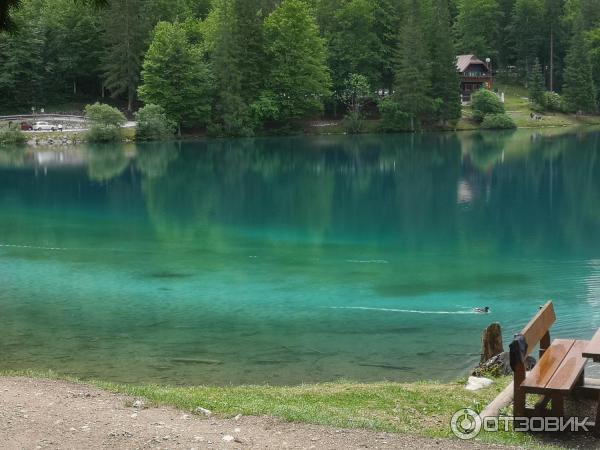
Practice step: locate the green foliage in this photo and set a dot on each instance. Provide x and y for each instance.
(353, 122)
(393, 118)
(12, 136)
(498, 122)
(106, 123)
(528, 33)
(153, 124)
(536, 83)
(579, 91)
(478, 27)
(356, 92)
(412, 78)
(484, 102)
(98, 133)
(104, 115)
(354, 46)
(235, 40)
(552, 101)
(126, 34)
(176, 77)
(445, 84)
(298, 78)
(267, 63)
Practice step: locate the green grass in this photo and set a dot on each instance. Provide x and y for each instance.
(423, 408)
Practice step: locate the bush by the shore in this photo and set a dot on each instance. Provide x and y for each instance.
(498, 122)
(106, 123)
(485, 102)
(153, 124)
(12, 136)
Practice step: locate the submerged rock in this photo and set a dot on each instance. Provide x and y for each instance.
(499, 365)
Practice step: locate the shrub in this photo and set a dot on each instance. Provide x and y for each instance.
(104, 115)
(103, 134)
(153, 124)
(353, 123)
(478, 116)
(12, 136)
(485, 102)
(552, 101)
(392, 116)
(106, 122)
(498, 122)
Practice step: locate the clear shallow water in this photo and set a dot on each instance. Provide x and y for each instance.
(293, 260)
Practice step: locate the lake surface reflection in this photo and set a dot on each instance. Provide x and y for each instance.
(291, 260)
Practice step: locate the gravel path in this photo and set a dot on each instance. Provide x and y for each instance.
(44, 414)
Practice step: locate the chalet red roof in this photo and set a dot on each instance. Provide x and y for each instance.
(464, 61)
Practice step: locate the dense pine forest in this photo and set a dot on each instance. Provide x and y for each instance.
(235, 67)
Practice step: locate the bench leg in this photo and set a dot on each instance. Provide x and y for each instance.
(519, 394)
(558, 405)
(597, 423)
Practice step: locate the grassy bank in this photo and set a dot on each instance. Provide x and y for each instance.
(423, 408)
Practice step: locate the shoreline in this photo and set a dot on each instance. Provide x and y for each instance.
(405, 412)
(43, 413)
(68, 138)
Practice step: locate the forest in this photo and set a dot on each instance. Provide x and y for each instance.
(236, 67)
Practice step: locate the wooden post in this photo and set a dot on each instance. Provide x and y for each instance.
(491, 342)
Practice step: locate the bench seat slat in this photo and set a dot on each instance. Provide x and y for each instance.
(545, 369)
(566, 376)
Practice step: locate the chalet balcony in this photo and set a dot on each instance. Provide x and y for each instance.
(476, 79)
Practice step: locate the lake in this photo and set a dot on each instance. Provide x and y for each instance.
(290, 260)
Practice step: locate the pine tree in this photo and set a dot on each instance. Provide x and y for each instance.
(537, 85)
(445, 84)
(527, 30)
(412, 75)
(126, 36)
(478, 27)
(578, 88)
(238, 63)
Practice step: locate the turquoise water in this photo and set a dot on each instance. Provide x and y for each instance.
(293, 260)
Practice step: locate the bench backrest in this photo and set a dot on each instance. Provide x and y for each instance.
(537, 330)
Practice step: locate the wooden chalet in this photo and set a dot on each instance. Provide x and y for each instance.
(474, 75)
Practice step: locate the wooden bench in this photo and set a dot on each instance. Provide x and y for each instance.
(559, 371)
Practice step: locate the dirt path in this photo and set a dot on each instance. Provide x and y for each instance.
(43, 414)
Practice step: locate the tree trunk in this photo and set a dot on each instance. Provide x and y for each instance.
(551, 58)
(179, 129)
(129, 100)
(491, 342)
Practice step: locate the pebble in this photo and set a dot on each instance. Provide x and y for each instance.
(228, 438)
(204, 411)
(138, 404)
(237, 430)
(238, 417)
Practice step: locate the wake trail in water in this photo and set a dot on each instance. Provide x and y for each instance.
(32, 247)
(406, 311)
